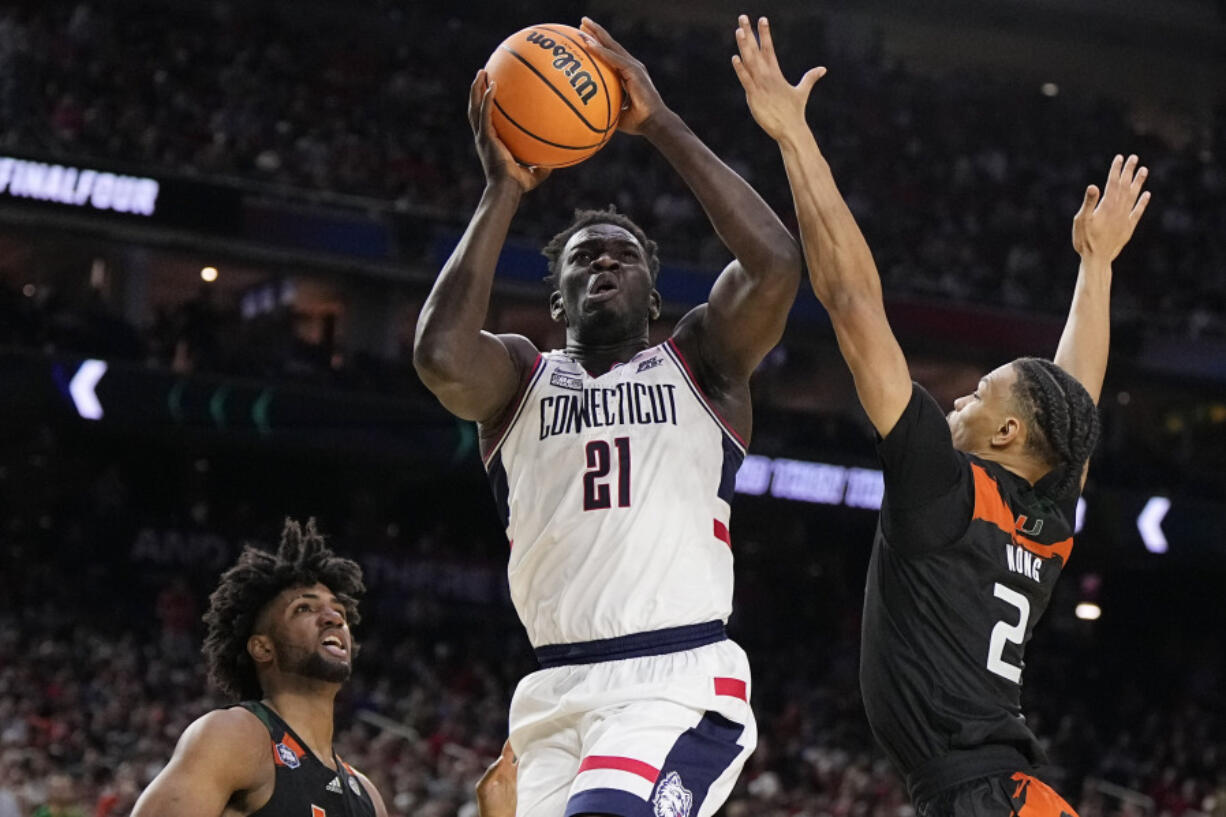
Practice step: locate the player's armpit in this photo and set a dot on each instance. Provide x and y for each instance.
(223, 753)
(480, 386)
(883, 381)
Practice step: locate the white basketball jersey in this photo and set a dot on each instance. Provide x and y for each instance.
(615, 492)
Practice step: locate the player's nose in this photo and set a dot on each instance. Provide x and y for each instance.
(605, 261)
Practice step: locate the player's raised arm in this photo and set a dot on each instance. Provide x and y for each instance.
(475, 374)
(1101, 228)
(749, 303)
(841, 267)
(217, 757)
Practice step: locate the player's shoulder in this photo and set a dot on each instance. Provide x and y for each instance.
(522, 350)
(234, 731)
(702, 357)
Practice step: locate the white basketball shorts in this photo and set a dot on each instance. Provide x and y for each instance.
(650, 735)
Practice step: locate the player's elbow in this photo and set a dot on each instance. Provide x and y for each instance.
(785, 261)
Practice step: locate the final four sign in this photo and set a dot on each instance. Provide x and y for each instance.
(78, 187)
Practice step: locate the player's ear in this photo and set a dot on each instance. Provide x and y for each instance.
(1008, 432)
(557, 309)
(653, 307)
(259, 647)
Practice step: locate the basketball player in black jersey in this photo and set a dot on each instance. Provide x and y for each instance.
(978, 513)
(278, 640)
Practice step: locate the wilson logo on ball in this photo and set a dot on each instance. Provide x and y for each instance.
(566, 62)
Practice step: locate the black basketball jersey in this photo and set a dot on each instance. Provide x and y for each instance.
(305, 787)
(964, 561)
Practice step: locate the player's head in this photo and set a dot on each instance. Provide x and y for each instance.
(283, 614)
(603, 269)
(1031, 408)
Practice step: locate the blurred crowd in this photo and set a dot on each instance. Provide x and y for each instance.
(965, 183)
(110, 555)
(88, 717)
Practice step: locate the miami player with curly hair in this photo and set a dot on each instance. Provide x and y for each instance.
(278, 643)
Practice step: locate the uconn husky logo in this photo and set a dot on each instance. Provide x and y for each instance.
(672, 799)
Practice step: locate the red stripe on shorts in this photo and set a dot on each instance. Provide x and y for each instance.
(732, 687)
(625, 764)
(721, 533)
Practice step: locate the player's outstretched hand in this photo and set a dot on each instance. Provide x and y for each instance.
(496, 159)
(777, 107)
(642, 99)
(1105, 221)
(497, 790)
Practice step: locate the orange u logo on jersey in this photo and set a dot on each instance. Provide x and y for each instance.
(1028, 526)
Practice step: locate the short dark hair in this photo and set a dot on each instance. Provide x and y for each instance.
(303, 559)
(586, 218)
(1062, 417)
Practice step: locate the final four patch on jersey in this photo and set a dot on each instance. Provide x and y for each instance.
(672, 799)
(288, 757)
(567, 380)
(353, 784)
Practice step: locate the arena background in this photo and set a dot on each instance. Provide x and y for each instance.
(219, 219)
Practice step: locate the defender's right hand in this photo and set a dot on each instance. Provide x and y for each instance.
(777, 106)
(496, 159)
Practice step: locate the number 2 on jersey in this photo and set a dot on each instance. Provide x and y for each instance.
(1004, 631)
(596, 493)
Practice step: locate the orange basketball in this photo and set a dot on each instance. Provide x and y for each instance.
(556, 102)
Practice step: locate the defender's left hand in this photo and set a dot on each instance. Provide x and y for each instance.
(642, 99)
(1101, 228)
(777, 106)
(497, 791)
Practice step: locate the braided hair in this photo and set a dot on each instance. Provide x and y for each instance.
(1062, 420)
(302, 560)
(586, 218)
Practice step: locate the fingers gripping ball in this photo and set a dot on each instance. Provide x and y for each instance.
(556, 102)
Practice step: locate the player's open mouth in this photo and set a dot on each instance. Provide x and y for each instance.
(601, 287)
(334, 645)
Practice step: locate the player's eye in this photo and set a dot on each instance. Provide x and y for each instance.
(303, 608)
(580, 257)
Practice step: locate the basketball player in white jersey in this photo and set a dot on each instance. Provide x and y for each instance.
(613, 464)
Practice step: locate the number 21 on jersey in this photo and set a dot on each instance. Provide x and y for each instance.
(597, 482)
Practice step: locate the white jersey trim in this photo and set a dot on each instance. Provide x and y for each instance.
(670, 347)
(538, 367)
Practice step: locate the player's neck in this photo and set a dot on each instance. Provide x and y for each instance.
(598, 356)
(308, 712)
(1021, 464)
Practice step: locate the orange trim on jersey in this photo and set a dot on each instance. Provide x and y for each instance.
(287, 740)
(1034, 798)
(992, 508)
